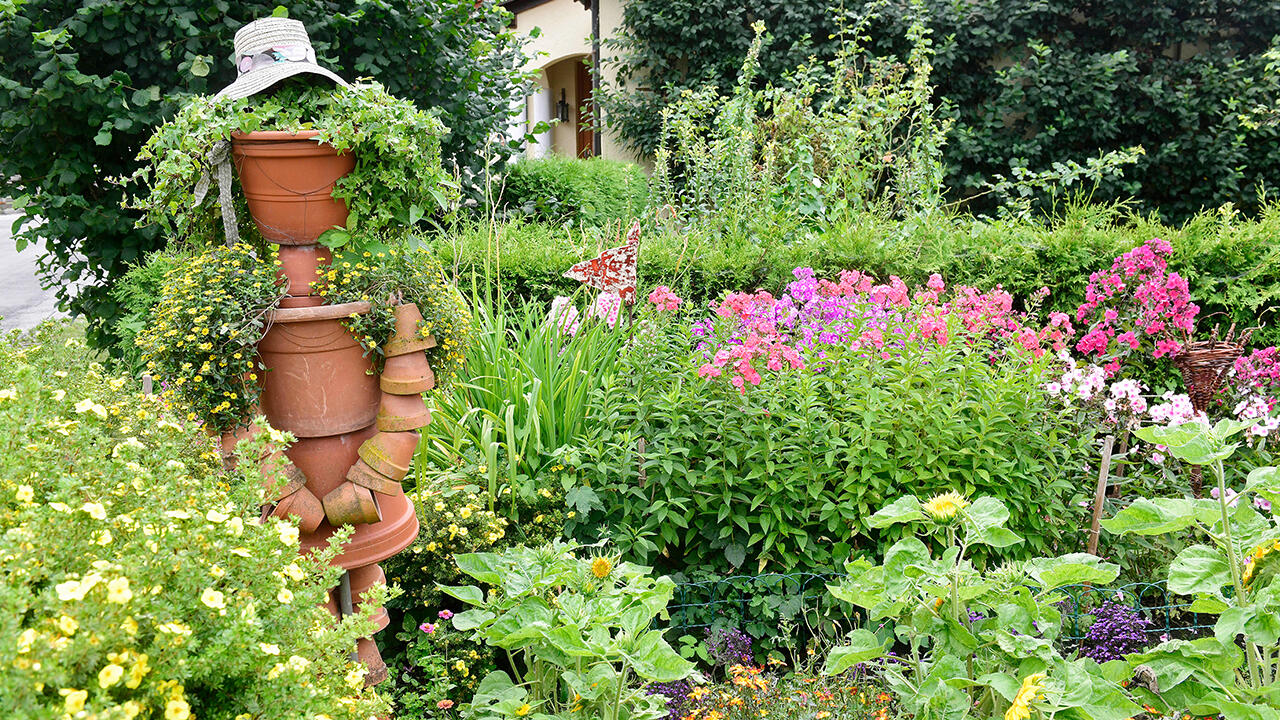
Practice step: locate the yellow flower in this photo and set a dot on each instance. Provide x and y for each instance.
(67, 625)
(74, 699)
(137, 672)
(523, 710)
(601, 567)
(1027, 694)
(110, 675)
(118, 591)
(177, 710)
(285, 596)
(944, 506)
(95, 510)
(355, 678)
(213, 599)
(24, 494)
(269, 649)
(288, 534)
(130, 626)
(131, 708)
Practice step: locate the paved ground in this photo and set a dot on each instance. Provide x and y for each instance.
(23, 303)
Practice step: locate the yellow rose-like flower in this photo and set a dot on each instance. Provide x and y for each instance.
(355, 678)
(285, 596)
(213, 599)
(118, 591)
(67, 625)
(110, 675)
(288, 535)
(944, 506)
(74, 702)
(523, 710)
(137, 672)
(601, 567)
(24, 494)
(130, 626)
(95, 510)
(1027, 694)
(177, 710)
(131, 708)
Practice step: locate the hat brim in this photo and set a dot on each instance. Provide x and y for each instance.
(255, 82)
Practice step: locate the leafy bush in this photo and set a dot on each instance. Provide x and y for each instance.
(138, 293)
(1231, 263)
(1027, 85)
(980, 644)
(138, 580)
(578, 631)
(584, 193)
(85, 82)
(764, 436)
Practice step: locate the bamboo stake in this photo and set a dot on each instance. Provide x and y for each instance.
(1095, 527)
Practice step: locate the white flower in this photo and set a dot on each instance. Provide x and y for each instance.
(213, 599)
(235, 526)
(285, 596)
(24, 494)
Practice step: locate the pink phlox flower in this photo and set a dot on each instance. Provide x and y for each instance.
(663, 299)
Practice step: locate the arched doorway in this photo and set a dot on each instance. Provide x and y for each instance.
(570, 86)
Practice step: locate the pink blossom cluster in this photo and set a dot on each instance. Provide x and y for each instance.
(663, 299)
(818, 321)
(564, 315)
(1079, 383)
(1137, 301)
(1175, 410)
(1259, 371)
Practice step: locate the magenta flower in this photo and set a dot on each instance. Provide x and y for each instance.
(428, 628)
(445, 614)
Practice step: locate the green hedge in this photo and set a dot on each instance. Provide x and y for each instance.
(589, 193)
(1233, 264)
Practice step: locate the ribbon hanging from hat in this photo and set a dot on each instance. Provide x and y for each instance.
(220, 160)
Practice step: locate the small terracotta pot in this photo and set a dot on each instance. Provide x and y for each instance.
(318, 380)
(326, 460)
(299, 265)
(373, 542)
(350, 504)
(364, 476)
(279, 464)
(371, 658)
(390, 453)
(407, 375)
(407, 337)
(398, 413)
(304, 505)
(288, 179)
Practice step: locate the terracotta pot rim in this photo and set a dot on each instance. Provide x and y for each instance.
(273, 135)
(322, 312)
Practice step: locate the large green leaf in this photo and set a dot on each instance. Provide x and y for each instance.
(902, 564)
(1073, 569)
(905, 509)
(863, 646)
(1145, 516)
(485, 567)
(468, 594)
(1199, 569)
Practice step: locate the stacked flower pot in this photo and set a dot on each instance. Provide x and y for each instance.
(356, 432)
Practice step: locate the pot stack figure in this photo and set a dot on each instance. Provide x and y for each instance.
(356, 431)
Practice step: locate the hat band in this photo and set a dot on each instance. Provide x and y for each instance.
(278, 54)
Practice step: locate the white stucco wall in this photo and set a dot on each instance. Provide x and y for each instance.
(565, 32)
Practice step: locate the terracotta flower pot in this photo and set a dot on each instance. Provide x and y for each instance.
(287, 179)
(408, 337)
(351, 504)
(365, 476)
(299, 265)
(302, 504)
(390, 453)
(373, 542)
(398, 413)
(318, 380)
(407, 375)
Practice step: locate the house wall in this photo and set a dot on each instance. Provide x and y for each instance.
(565, 32)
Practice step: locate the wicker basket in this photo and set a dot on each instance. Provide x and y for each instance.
(1203, 364)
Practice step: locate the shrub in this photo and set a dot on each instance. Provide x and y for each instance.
(77, 106)
(138, 292)
(138, 581)
(1231, 264)
(765, 436)
(1028, 85)
(583, 193)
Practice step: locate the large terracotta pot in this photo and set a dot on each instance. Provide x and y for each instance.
(287, 179)
(318, 381)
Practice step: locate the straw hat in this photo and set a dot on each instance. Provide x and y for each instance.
(270, 50)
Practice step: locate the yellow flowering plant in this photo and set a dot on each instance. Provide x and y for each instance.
(199, 338)
(578, 631)
(394, 269)
(137, 580)
(972, 643)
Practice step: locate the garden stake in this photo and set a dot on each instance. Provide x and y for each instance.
(344, 603)
(1100, 494)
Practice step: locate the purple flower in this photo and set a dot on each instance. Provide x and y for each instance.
(726, 646)
(1117, 630)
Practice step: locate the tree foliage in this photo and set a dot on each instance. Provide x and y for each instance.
(84, 82)
(1030, 84)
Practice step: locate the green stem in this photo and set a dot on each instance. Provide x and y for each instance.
(1233, 558)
